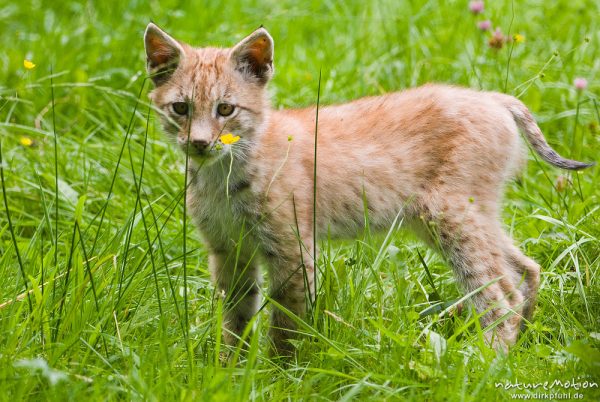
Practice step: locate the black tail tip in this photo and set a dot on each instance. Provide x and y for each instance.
(581, 165)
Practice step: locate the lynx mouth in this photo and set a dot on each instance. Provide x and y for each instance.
(206, 156)
(192, 153)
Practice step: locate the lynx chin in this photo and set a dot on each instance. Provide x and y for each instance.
(435, 155)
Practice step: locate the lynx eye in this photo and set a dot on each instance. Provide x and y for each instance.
(225, 109)
(181, 108)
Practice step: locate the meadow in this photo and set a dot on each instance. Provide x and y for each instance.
(104, 287)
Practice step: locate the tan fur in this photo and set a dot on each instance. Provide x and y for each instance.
(439, 154)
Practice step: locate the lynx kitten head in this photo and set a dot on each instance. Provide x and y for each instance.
(204, 93)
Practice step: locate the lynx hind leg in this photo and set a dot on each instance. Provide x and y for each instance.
(238, 284)
(526, 275)
(473, 243)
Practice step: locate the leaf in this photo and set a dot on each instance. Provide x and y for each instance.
(68, 192)
(437, 344)
(586, 353)
(39, 365)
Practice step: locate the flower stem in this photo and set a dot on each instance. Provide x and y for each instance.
(229, 173)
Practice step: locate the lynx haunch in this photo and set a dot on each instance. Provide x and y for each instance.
(434, 154)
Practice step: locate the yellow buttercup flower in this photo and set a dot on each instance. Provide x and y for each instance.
(518, 38)
(26, 141)
(28, 64)
(229, 139)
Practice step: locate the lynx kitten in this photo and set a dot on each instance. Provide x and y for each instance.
(435, 153)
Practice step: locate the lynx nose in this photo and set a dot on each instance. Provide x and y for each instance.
(199, 145)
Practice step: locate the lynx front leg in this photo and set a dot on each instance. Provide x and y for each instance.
(292, 287)
(238, 284)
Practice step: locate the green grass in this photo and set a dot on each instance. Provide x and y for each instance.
(101, 311)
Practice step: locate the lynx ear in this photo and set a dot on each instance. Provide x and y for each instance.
(163, 54)
(253, 56)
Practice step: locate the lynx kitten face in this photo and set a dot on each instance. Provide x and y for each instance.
(434, 155)
(204, 93)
